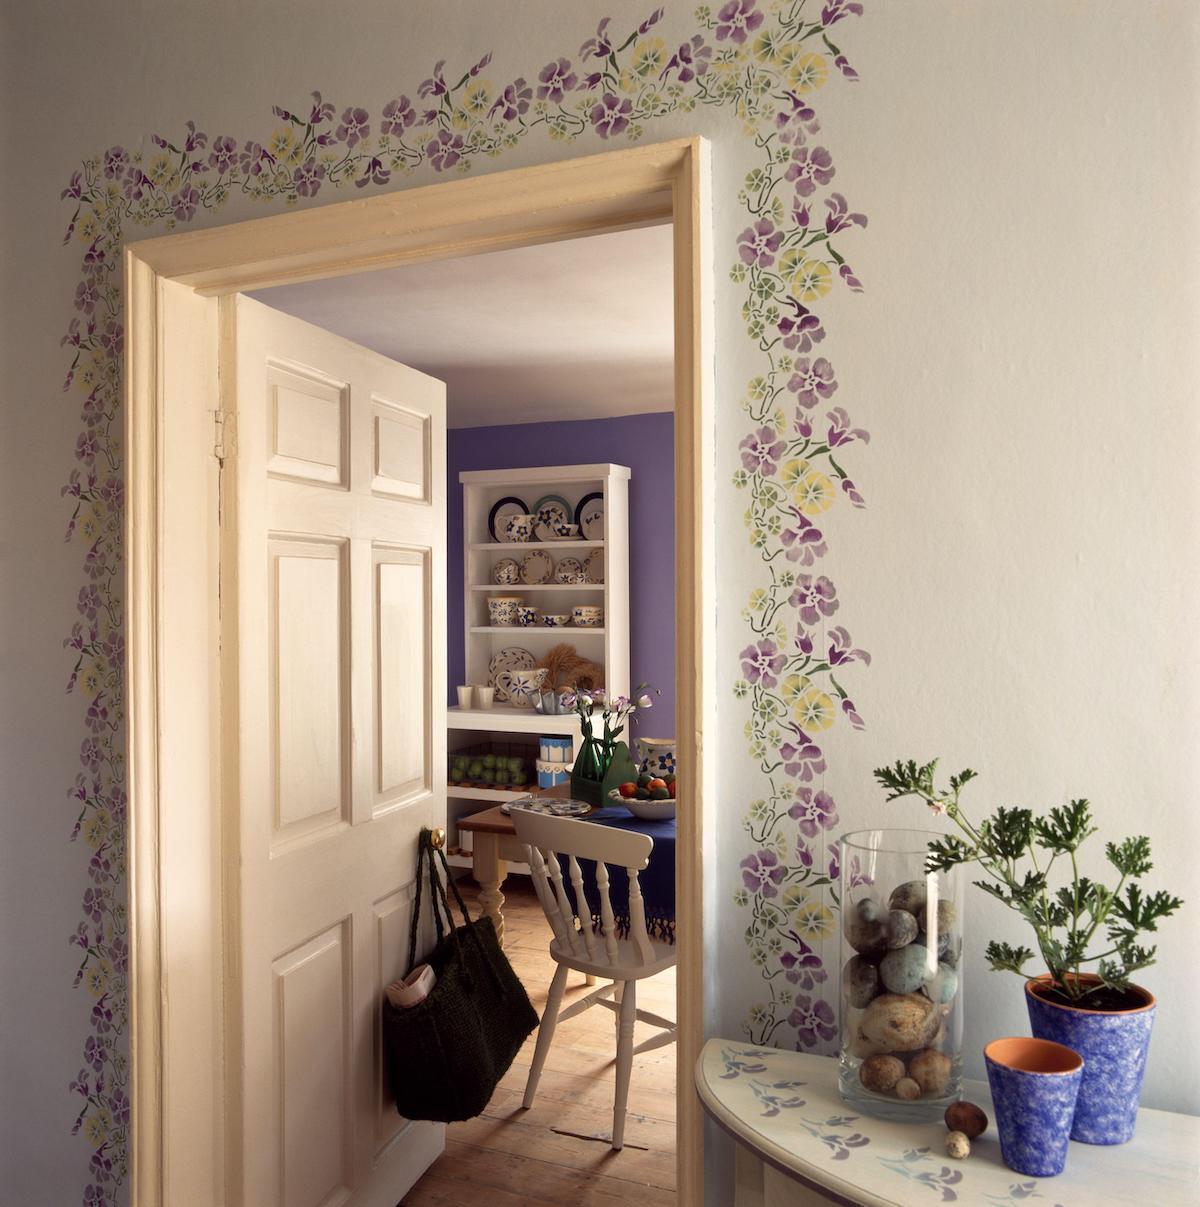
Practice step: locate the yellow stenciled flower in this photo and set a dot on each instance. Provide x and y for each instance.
(769, 44)
(808, 71)
(285, 146)
(793, 689)
(792, 475)
(478, 98)
(96, 977)
(88, 226)
(812, 281)
(91, 679)
(814, 493)
(649, 57)
(96, 1126)
(813, 920)
(96, 828)
(812, 708)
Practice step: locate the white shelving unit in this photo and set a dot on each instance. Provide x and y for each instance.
(607, 645)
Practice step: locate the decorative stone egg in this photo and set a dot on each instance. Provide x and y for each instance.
(953, 950)
(899, 1023)
(967, 1118)
(943, 985)
(868, 909)
(946, 915)
(930, 1069)
(958, 1146)
(862, 1047)
(880, 1073)
(860, 982)
(902, 928)
(904, 969)
(907, 1089)
(910, 896)
(868, 936)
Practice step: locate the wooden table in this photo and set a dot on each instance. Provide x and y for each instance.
(800, 1145)
(493, 846)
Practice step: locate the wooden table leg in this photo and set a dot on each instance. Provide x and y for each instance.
(489, 871)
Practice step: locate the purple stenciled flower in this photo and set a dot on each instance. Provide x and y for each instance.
(803, 759)
(444, 150)
(115, 159)
(812, 379)
(112, 338)
(852, 715)
(736, 20)
(307, 178)
(810, 167)
(804, 855)
(102, 1016)
(762, 872)
(90, 754)
(599, 47)
(852, 493)
(435, 85)
(86, 447)
(761, 451)
(184, 203)
(762, 663)
(86, 295)
(513, 101)
(801, 331)
(802, 966)
(843, 65)
(796, 112)
(94, 1196)
(557, 79)
(94, 1052)
(118, 951)
(398, 116)
(813, 811)
(223, 154)
(689, 61)
(839, 216)
(804, 642)
(847, 275)
(841, 648)
(835, 10)
(373, 173)
(96, 718)
(101, 1164)
(813, 1021)
(814, 597)
(802, 541)
(118, 1105)
(758, 244)
(354, 127)
(93, 904)
(254, 158)
(840, 432)
(113, 493)
(610, 115)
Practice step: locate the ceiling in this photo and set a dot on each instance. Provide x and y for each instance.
(580, 329)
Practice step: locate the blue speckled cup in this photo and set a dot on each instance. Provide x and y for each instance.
(1113, 1046)
(1034, 1084)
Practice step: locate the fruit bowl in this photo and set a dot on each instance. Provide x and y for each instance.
(647, 810)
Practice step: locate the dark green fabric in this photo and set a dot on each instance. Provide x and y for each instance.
(445, 1055)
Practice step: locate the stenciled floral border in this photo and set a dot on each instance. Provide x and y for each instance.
(768, 63)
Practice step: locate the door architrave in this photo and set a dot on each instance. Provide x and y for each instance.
(178, 964)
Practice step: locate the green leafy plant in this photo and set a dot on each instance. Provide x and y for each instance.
(1018, 851)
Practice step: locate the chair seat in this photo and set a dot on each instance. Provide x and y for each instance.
(628, 965)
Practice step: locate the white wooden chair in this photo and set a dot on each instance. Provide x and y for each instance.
(576, 945)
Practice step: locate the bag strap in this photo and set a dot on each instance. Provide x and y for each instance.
(425, 855)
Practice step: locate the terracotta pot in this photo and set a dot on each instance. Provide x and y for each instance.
(1113, 1044)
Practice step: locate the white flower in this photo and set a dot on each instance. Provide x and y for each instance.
(621, 703)
(645, 702)
(567, 699)
(937, 806)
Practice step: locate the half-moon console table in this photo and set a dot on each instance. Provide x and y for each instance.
(799, 1145)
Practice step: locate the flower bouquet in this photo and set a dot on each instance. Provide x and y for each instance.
(603, 762)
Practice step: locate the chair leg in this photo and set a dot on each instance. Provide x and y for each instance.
(617, 992)
(545, 1032)
(625, 1021)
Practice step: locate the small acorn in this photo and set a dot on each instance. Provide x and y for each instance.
(967, 1118)
(907, 1089)
(958, 1146)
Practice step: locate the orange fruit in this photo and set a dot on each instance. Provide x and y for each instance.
(656, 783)
(627, 790)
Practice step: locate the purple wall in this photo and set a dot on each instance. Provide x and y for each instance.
(646, 444)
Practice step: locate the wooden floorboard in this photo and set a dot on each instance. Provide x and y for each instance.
(510, 1157)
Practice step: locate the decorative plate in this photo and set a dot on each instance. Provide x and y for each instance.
(536, 568)
(511, 658)
(593, 566)
(550, 509)
(589, 515)
(506, 507)
(568, 570)
(506, 572)
(555, 807)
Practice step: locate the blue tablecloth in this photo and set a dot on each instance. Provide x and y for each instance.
(657, 881)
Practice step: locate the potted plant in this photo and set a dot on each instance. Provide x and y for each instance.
(603, 762)
(1100, 1013)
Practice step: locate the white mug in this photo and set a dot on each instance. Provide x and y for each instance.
(464, 696)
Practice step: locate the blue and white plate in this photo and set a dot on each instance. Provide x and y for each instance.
(589, 515)
(501, 512)
(550, 510)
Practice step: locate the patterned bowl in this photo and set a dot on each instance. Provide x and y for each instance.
(647, 810)
(556, 620)
(587, 616)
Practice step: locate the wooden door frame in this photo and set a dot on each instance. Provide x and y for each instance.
(178, 961)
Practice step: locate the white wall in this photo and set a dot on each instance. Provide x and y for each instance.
(1024, 355)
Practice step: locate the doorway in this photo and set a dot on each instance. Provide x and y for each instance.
(177, 732)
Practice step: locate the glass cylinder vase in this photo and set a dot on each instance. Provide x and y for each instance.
(901, 996)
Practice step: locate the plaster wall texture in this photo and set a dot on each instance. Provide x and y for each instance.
(1024, 355)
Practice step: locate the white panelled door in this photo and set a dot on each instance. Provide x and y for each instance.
(334, 731)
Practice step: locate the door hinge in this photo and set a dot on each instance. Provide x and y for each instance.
(223, 435)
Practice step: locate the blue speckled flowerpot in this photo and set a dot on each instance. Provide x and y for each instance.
(1034, 1086)
(1113, 1046)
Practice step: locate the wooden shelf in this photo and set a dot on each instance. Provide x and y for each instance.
(505, 718)
(497, 796)
(508, 631)
(518, 546)
(515, 588)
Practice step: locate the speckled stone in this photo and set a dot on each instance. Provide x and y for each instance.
(947, 915)
(860, 982)
(930, 1069)
(910, 896)
(904, 970)
(907, 1089)
(943, 985)
(958, 1146)
(867, 936)
(880, 1073)
(899, 1023)
(967, 1118)
(902, 928)
(868, 909)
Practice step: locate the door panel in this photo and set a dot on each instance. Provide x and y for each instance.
(333, 605)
